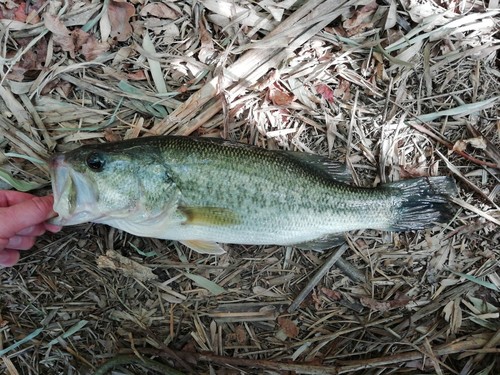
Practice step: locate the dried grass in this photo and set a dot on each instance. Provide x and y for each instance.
(397, 90)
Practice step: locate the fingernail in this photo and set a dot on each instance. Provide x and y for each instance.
(14, 241)
(26, 231)
(8, 258)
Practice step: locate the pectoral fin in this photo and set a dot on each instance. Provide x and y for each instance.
(204, 247)
(211, 216)
(322, 243)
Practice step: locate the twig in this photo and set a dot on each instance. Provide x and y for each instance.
(350, 271)
(130, 359)
(317, 277)
(449, 145)
(301, 368)
(446, 349)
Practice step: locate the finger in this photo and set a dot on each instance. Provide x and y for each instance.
(8, 257)
(21, 242)
(25, 214)
(12, 197)
(34, 230)
(52, 227)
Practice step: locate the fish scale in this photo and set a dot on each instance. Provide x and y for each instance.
(204, 191)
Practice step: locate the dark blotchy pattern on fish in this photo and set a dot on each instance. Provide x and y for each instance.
(229, 192)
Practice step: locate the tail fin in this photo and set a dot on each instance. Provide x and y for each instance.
(422, 202)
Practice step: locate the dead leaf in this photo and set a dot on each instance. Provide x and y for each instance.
(74, 41)
(361, 16)
(326, 92)
(119, 13)
(91, 48)
(138, 75)
(419, 10)
(60, 34)
(400, 300)
(20, 13)
(126, 266)
(289, 327)
(453, 314)
(241, 334)
(461, 144)
(343, 90)
(280, 97)
(159, 10)
(207, 49)
(31, 62)
(111, 136)
(331, 294)
(478, 142)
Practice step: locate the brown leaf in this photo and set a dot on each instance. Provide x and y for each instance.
(138, 75)
(111, 136)
(159, 10)
(74, 41)
(91, 48)
(60, 34)
(400, 300)
(31, 62)
(241, 334)
(207, 49)
(280, 97)
(331, 294)
(361, 16)
(460, 145)
(289, 328)
(126, 266)
(478, 142)
(325, 91)
(343, 90)
(119, 13)
(20, 13)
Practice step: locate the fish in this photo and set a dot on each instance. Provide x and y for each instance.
(205, 192)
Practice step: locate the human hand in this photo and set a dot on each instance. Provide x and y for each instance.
(22, 218)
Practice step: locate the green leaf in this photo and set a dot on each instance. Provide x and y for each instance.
(461, 110)
(26, 157)
(476, 280)
(30, 337)
(78, 326)
(18, 184)
(154, 65)
(212, 287)
(139, 251)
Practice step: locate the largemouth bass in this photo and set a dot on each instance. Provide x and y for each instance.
(203, 192)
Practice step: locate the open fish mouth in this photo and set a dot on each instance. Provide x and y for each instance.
(74, 198)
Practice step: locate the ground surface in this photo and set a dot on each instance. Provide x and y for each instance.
(398, 89)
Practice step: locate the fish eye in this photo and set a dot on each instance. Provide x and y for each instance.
(95, 161)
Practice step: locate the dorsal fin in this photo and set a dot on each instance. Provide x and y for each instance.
(338, 171)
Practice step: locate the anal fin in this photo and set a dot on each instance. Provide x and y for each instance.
(322, 243)
(204, 247)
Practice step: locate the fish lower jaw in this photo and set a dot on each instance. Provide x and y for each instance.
(80, 218)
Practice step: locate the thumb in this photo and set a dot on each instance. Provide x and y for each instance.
(25, 214)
